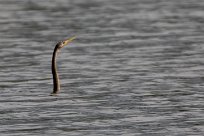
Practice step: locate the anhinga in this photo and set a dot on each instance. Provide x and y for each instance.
(56, 82)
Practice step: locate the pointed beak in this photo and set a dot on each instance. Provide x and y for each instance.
(65, 42)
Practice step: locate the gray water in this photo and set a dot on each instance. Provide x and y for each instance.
(135, 69)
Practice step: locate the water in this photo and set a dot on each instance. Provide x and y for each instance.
(135, 69)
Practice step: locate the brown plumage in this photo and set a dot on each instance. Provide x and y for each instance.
(56, 82)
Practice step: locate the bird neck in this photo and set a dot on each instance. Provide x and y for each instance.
(56, 82)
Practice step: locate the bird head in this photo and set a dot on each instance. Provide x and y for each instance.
(65, 42)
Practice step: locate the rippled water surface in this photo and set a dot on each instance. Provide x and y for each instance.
(135, 69)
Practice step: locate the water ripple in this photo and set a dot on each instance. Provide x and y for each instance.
(136, 67)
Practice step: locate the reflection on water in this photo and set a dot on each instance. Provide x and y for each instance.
(136, 67)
